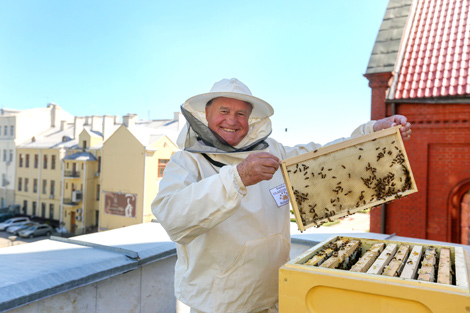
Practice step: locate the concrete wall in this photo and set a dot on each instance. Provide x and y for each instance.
(146, 289)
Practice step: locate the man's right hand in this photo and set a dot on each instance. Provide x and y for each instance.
(257, 167)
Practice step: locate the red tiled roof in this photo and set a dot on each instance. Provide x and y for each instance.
(437, 54)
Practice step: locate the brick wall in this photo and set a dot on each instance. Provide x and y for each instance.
(439, 154)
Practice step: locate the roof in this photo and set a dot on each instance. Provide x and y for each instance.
(52, 138)
(436, 58)
(81, 156)
(387, 44)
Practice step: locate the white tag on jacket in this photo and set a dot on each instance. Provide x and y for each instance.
(280, 195)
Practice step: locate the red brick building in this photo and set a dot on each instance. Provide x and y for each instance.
(419, 67)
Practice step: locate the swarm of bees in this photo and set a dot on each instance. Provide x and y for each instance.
(350, 179)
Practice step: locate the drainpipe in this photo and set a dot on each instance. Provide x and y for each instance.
(61, 218)
(39, 181)
(383, 211)
(83, 199)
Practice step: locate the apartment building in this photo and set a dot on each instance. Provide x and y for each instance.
(133, 160)
(17, 127)
(39, 172)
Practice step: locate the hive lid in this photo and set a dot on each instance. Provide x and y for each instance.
(347, 177)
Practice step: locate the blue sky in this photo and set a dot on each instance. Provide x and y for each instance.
(306, 58)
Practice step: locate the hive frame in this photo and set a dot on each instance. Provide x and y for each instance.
(392, 134)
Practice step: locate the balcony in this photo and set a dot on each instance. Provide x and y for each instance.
(70, 202)
(71, 174)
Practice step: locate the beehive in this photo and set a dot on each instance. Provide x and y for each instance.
(343, 178)
(376, 276)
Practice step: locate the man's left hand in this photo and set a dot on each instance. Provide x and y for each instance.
(392, 121)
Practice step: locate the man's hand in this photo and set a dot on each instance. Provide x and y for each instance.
(257, 167)
(395, 120)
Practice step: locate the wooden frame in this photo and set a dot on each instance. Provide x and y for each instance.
(350, 176)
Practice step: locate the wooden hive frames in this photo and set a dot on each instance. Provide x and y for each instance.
(438, 264)
(343, 178)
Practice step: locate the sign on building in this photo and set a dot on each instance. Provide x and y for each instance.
(121, 204)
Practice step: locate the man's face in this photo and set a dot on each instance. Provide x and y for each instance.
(229, 119)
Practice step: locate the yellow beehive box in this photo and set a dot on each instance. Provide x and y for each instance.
(306, 288)
(343, 178)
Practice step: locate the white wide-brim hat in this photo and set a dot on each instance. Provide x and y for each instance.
(232, 88)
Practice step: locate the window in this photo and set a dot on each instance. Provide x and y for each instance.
(21, 160)
(44, 186)
(26, 181)
(11, 156)
(43, 210)
(98, 192)
(5, 155)
(34, 208)
(53, 162)
(36, 160)
(52, 188)
(161, 166)
(5, 132)
(99, 164)
(51, 211)
(27, 161)
(12, 130)
(35, 185)
(25, 207)
(20, 181)
(45, 161)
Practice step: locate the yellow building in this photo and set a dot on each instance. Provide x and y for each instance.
(133, 160)
(39, 173)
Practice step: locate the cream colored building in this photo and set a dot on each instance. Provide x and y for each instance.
(133, 160)
(16, 128)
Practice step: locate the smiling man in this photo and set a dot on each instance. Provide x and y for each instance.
(217, 201)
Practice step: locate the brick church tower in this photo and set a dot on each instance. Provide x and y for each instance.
(419, 67)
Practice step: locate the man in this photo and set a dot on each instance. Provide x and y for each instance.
(215, 201)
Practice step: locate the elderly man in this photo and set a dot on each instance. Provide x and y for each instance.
(216, 202)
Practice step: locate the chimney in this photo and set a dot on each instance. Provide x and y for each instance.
(54, 113)
(108, 126)
(96, 123)
(129, 120)
(78, 126)
(62, 124)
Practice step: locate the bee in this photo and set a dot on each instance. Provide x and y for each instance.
(343, 166)
(393, 142)
(314, 151)
(306, 186)
(305, 173)
(333, 177)
(322, 168)
(359, 158)
(329, 169)
(295, 171)
(361, 149)
(338, 183)
(374, 139)
(313, 174)
(306, 178)
(349, 174)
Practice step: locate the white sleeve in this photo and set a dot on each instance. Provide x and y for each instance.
(188, 206)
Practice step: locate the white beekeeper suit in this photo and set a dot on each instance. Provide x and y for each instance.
(230, 239)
